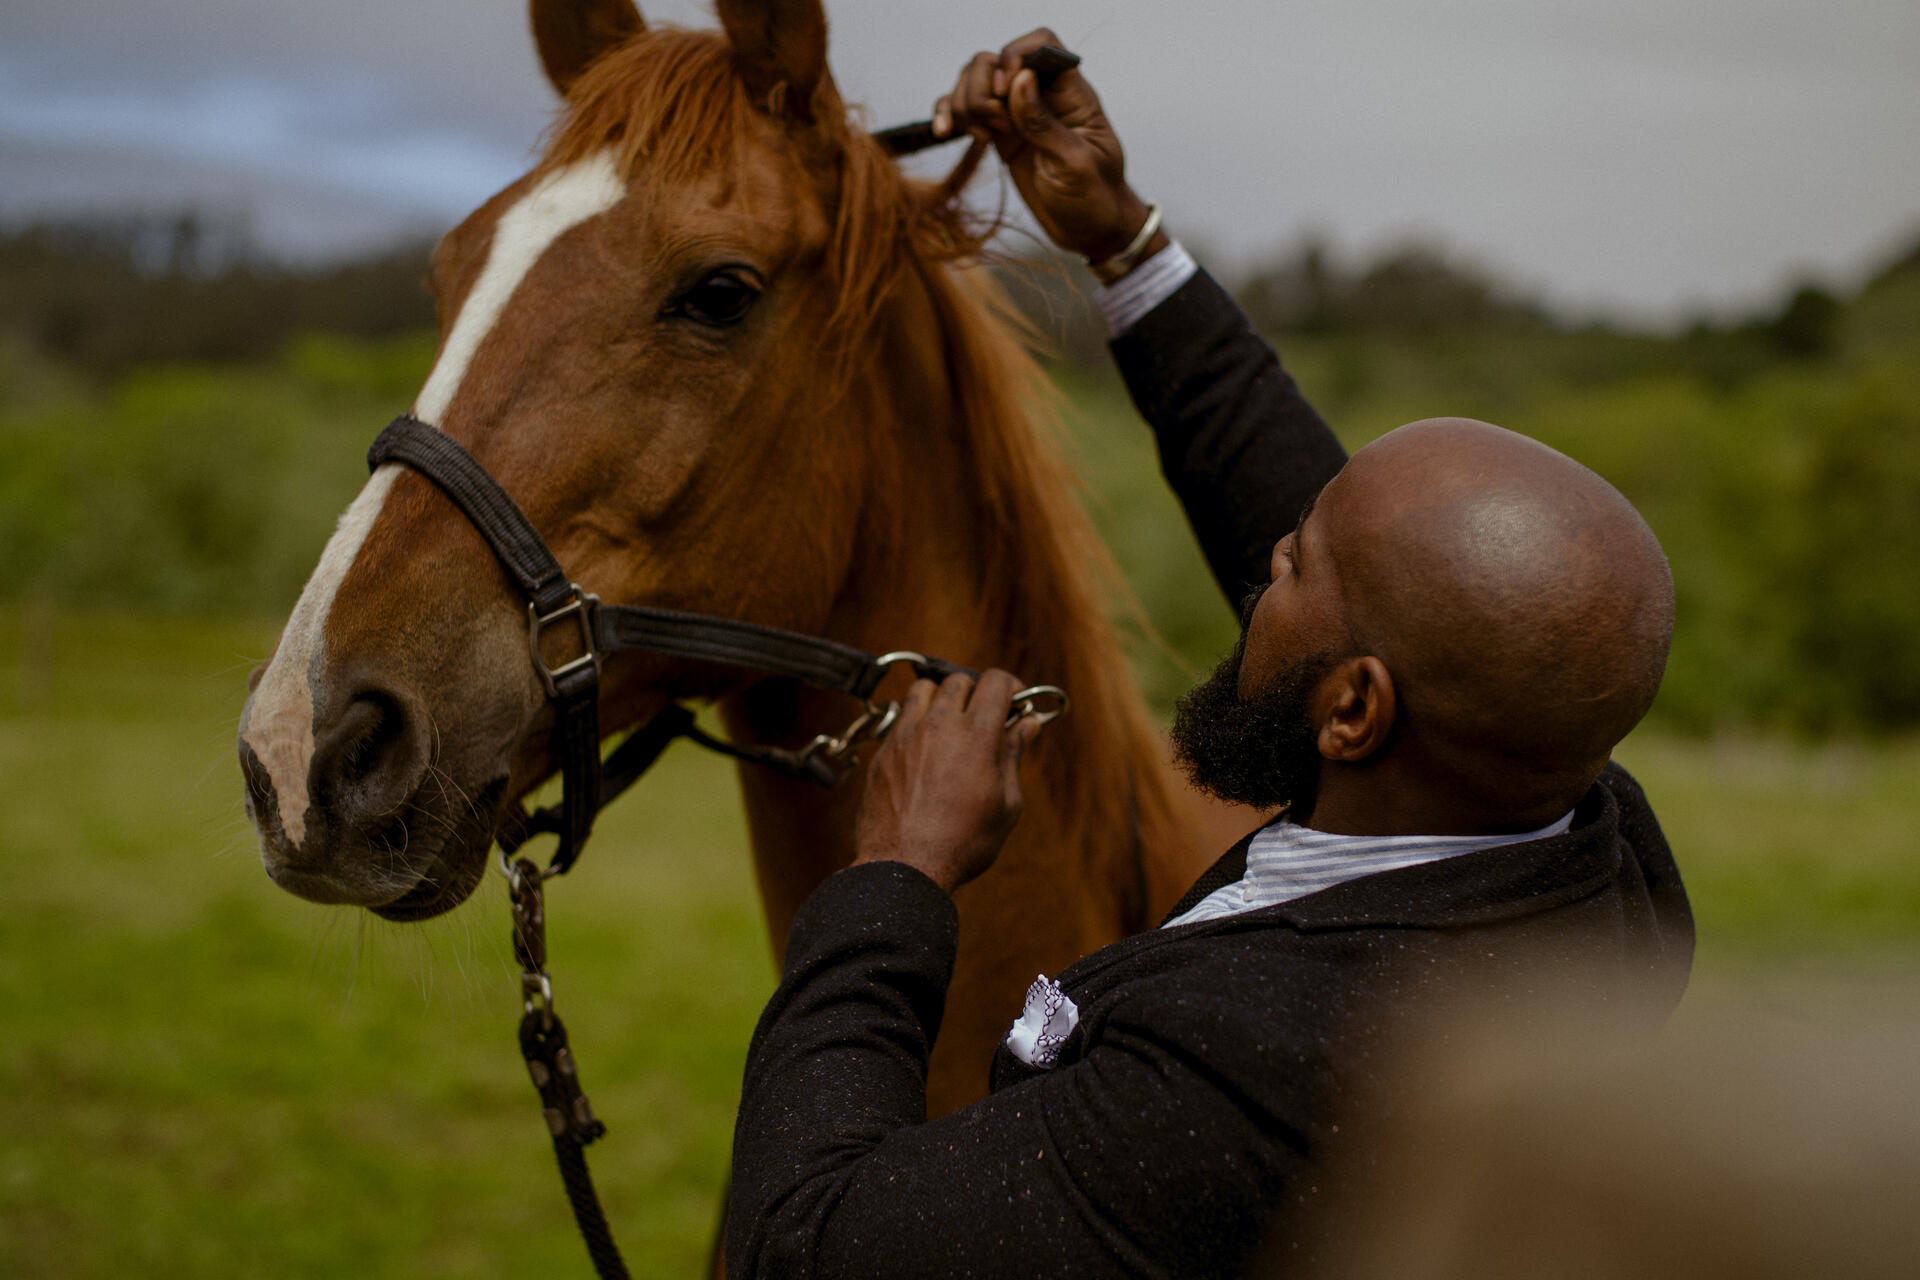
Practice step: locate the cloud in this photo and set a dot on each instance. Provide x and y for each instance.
(342, 133)
(1640, 155)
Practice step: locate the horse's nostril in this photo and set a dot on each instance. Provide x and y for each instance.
(258, 782)
(369, 761)
(373, 725)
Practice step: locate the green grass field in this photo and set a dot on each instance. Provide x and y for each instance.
(204, 1076)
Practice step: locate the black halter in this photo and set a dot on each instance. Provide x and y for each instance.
(554, 600)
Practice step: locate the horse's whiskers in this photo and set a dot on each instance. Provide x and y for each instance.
(448, 784)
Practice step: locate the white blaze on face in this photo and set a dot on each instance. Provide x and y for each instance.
(278, 722)
(563, 199)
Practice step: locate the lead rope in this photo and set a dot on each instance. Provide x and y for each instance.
(543, 1043)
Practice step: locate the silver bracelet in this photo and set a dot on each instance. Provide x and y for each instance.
(1129, 258)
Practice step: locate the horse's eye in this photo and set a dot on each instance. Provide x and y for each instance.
(721, 299)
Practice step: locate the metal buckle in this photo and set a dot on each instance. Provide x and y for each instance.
(1026, 704)
(580, 607)
(872, 725)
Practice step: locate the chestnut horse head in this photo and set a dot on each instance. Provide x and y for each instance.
(713, 347)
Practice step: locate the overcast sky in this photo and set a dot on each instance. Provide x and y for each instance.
(1645, 157)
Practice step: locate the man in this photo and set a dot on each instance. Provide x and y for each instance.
(1452, 636)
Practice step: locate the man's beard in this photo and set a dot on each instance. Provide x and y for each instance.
(1262, 752)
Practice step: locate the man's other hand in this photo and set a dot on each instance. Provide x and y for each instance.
(1063, 154)
(943, 791)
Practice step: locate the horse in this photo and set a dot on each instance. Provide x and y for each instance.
(728, 359)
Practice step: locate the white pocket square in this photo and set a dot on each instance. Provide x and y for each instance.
(1044, 1025)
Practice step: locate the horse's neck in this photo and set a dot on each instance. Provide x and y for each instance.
(1100, 814)
(909, 584)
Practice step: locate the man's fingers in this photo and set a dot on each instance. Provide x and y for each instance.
(1037, 122)
(1011, 56)
(979, 101)
(915, 704)
(1028, 108)
(1070, 96)
(1018, 736)
(974, 103)
(993, 696)
(951, 697)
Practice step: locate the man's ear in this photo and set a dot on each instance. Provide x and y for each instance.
(1355, 707)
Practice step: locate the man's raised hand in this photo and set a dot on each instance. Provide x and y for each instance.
(1063, 154)
(943, 791)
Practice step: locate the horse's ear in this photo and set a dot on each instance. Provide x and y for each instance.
(780, 47)
(572, 33)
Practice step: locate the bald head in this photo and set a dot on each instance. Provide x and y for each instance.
(1522, 606)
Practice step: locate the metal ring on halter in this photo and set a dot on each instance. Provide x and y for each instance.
(872, 725)
(1024, 700)
(891, 712)
(536, 984)
(899, 656)
(513, 876)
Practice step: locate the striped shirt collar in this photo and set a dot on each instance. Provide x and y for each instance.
(1286, 861)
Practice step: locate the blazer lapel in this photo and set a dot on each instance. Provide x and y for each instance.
(1227, 868)
(1230, 866)
(1456, 892)
(1467, 889)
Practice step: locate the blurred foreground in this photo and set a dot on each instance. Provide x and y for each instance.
(1749, 1141)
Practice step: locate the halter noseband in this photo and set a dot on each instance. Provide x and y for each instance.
(556, 601)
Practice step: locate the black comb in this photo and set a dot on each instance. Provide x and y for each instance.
(1049, 62)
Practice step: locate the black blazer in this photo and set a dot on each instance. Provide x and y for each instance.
(1192, 1104)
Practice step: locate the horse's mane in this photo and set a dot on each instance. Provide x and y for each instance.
(1037, 547)
(670, 101)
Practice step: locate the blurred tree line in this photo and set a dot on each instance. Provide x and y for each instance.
(181, 424)
(104, 295)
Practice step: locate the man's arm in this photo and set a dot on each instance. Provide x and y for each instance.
(1141, 1158)
(1133, 1161)
(1240, 445)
